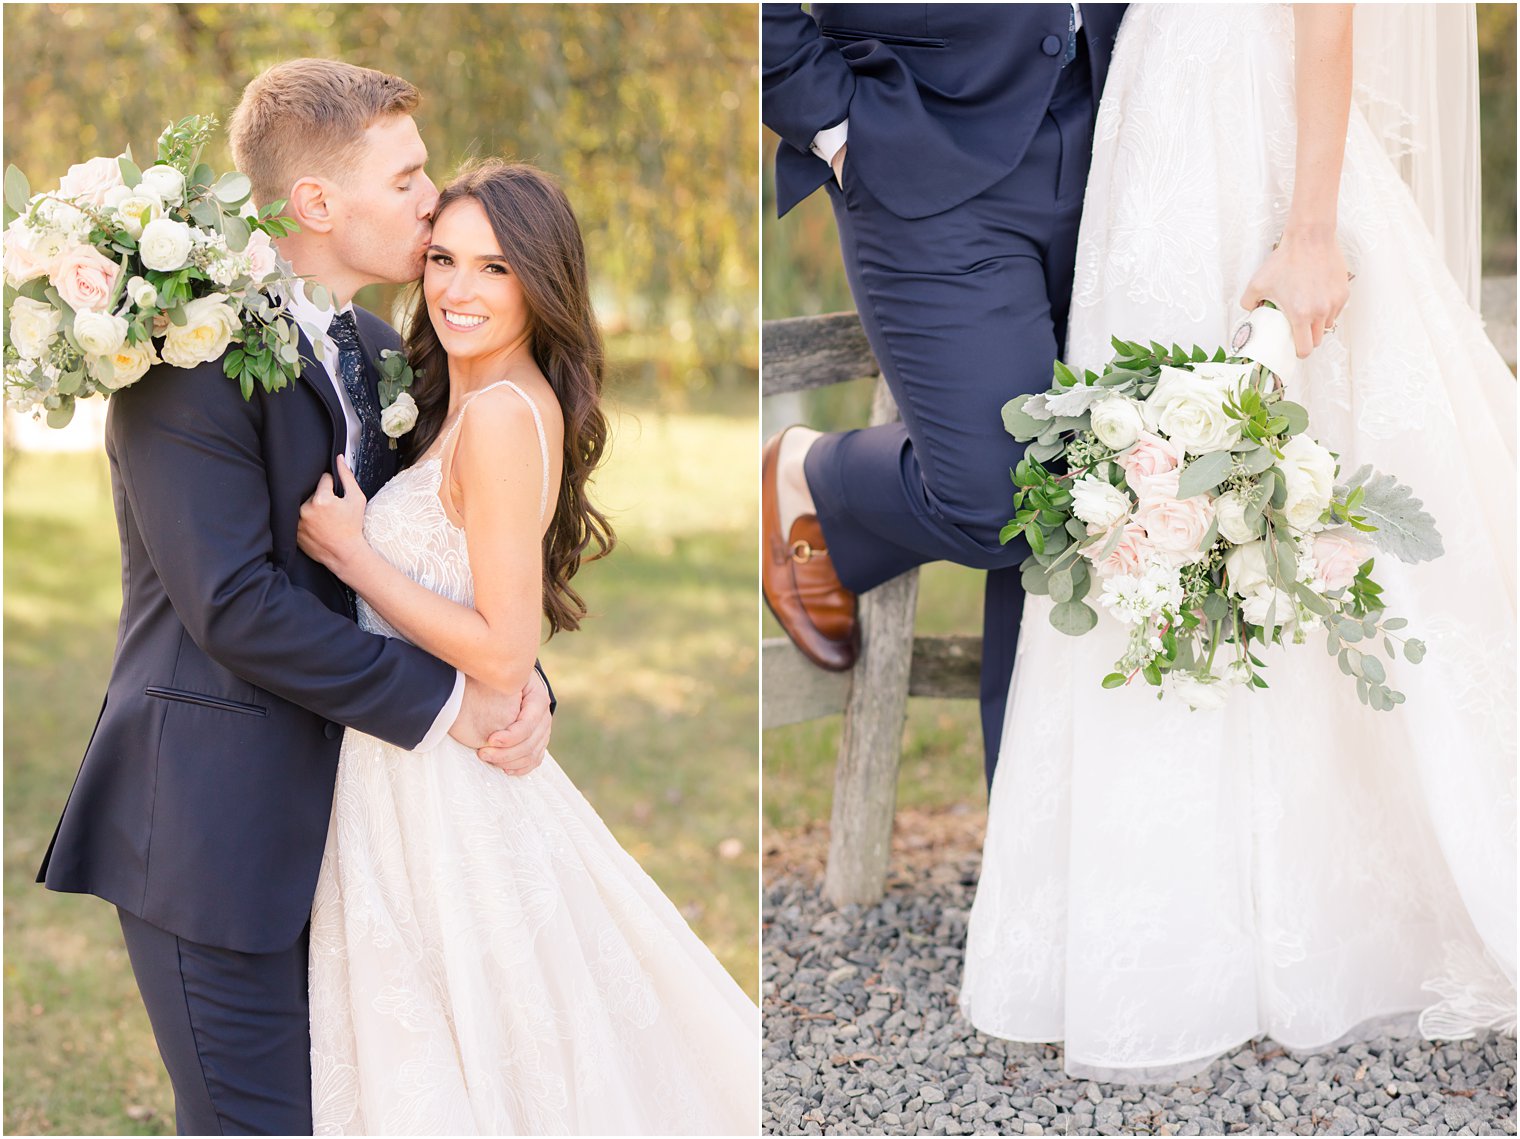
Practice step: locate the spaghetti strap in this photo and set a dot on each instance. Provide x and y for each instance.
(538, 424)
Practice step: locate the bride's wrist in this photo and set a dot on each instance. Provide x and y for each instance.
(1319, 230)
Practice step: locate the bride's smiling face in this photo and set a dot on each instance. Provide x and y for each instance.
(474, 298)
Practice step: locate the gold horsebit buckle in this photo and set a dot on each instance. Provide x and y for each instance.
(804, 551)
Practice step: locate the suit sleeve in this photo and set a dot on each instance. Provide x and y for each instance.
(188, 450)
(806, 85)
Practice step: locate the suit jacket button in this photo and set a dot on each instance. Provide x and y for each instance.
(1051, 45)
(331, 731)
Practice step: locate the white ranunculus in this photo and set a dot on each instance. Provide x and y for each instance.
(142, 293)
(1097, 503)
(209, 326)
(1117, 422)
(128, 364)
(1309, 472)
(99, 333)
(1189, 410)
(1230, 509)
(1199, 695)
(33, 325)
(164, 245)
(165, 181)
(134, 208)
(400, 417)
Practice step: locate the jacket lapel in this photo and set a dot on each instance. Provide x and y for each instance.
(315, 375)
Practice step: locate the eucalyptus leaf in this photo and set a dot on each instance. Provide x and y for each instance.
(206, 213)
(1204, 473)
(1044, 452)
(1073, 618)
(1254, 462)
(202, 175)
(1034, 578)
(1414, 651)
(18, 192)
(59, 416)
(233, 188)
(1372, 669)
(235, 229)
(1296, 414)
(1061, 585)
(70, 382)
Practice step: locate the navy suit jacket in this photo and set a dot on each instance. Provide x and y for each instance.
(943, 99)
(203, 800)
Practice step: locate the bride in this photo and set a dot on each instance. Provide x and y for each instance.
(1159, 886)
(485, 958)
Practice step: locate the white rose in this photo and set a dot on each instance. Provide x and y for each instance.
(1199, 695)
(1097, 503)
(1230, 509)
(400, 417)
(209, 326)
(132, 209)
(1309, 472)
(1117, 422)
(142, 293)
(1189, 410)
(33, 325)
(99, 333)
(165, 181)
(164, 245)
(28, 254)
(90, 181)
(128, 364)
(1274, 603)
(1245, 569)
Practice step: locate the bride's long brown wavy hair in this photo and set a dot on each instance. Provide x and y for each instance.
(536, 228)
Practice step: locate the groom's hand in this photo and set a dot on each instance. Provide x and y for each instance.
(519, 747)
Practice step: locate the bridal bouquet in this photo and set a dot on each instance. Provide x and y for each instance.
(1187, 491)
(120, 268)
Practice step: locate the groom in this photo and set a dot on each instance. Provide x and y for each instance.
(201, 807)
(954, 140)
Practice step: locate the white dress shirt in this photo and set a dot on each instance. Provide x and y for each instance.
(829, 141)
(318, 320)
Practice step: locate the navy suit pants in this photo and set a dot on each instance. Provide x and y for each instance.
(964, 310)
(232, 1029)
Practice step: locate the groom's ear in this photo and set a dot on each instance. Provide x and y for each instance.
(309, 205)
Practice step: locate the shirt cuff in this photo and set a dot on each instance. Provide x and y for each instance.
(827, 143)
(446, 717)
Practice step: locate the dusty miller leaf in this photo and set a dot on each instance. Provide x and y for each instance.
(1404, 529)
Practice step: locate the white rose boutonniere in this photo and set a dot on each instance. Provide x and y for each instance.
(398, 410)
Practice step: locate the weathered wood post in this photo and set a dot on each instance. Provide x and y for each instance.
(865, 780)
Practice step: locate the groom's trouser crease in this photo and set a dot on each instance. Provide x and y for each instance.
(964, 310)
(232, 1029)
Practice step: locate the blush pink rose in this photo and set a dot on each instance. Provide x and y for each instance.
(1129, 556)
(24, 263)
(1176, 526)
(84, 278)
(260, 256)
(1151, 458)
(1338, 556)
(90, 181)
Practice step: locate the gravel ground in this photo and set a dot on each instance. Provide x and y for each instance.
(862, 1035)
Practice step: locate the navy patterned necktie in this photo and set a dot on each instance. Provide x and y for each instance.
(366, 464)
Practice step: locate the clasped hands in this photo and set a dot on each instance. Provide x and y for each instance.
(331, 532)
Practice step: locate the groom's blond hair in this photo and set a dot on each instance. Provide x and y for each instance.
(306, 117)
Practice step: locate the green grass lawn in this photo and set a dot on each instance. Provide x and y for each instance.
(658, 706)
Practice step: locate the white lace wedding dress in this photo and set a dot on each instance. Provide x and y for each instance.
(485, 958)
(1159, 886)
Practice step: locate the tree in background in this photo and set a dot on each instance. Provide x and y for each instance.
(648, 114)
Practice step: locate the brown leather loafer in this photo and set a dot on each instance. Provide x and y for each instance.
(799, 582)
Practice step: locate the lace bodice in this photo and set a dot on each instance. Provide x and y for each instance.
(406, 524)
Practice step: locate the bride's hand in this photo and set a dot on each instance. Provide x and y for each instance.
(1305, 277)
(331, 529)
